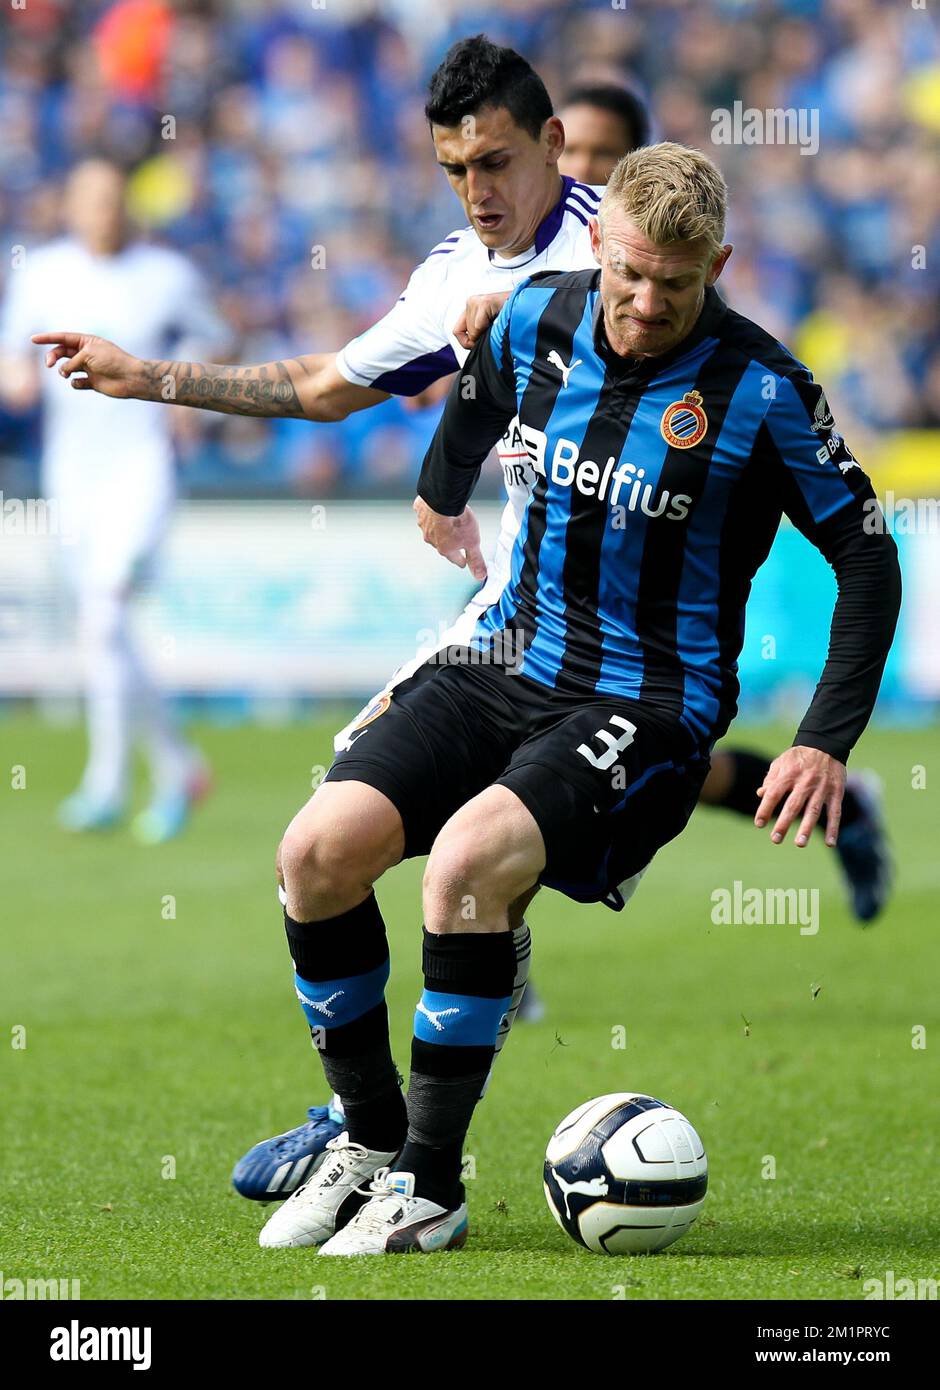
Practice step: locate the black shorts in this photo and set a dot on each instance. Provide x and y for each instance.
(608, 780)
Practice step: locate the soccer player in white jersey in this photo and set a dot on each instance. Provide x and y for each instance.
(523, 217)
(109, 468)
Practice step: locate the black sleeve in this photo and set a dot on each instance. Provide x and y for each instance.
(865, 560)
(822, 488)
(480, 406)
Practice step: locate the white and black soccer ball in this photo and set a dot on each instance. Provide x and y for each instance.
(625, 1174)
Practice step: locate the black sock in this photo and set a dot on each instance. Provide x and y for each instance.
(750, 769)
(468, 986)
(342, 966)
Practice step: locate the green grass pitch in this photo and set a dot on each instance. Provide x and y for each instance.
(162, 1037)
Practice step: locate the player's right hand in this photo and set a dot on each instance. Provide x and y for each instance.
(457, 538)
(476, 318)
(108, 368)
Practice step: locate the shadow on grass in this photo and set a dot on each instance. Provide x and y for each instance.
(839, 1241)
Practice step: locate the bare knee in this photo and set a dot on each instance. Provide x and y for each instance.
(335, 848)
(312, 859)
(453, 877)
(488, 856)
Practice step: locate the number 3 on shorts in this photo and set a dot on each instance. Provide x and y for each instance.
(615, 746)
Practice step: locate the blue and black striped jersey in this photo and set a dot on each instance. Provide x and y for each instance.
(660, 483)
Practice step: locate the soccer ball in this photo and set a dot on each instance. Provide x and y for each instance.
(625, 1174)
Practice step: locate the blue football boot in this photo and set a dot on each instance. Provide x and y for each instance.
(276, 1167)
(862, 848)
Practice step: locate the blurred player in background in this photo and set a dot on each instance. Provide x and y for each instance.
(603, 122)
(109, 468)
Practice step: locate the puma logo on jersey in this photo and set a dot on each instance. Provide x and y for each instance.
(596, 1187)
(555, 360)
(432, 1015)
(322, 1005)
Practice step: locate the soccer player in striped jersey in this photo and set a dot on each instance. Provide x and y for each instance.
(568, 740)
(603, 122)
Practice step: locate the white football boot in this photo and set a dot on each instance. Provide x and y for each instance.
(395, 1222)
(327, 1200)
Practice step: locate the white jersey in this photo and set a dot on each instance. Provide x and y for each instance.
(414, 345)
(107, 463)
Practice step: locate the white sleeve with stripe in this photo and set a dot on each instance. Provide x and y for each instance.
(410, 347)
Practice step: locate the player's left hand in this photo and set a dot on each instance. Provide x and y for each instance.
(805, 780)
(476, 318)
(457, 538)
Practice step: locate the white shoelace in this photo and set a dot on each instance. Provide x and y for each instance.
(345, 1152)
(376, 1214)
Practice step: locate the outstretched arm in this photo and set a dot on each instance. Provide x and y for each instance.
(308, 387)
(830, 499)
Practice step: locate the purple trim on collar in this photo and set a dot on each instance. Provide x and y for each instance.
(550, 225)
(582, 202)
(578, 212)
(586, 190)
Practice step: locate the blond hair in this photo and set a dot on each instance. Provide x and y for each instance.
(672, 192)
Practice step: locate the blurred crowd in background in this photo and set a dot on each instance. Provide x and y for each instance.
(259, 130)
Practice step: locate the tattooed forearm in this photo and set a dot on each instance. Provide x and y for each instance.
(268, 390)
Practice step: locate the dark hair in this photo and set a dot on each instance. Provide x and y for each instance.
(622, 103)
(477, 73)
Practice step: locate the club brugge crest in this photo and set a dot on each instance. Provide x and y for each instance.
(684, 423)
